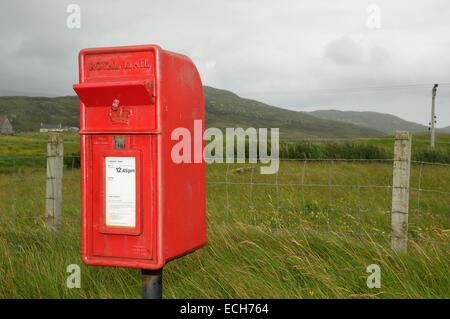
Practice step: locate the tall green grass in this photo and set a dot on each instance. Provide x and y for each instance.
(345, 150)
(239, 261)
(375, 148)
(271, 238)
(15, 151)
(309, 231)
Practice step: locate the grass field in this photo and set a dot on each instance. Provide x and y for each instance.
(31, 144)
(290, 235)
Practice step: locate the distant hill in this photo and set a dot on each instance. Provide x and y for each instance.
(27, 113)
(444, 130)
(386, 123)
(223, 109)
(226, 109)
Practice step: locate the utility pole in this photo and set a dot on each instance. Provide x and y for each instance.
(433, 117)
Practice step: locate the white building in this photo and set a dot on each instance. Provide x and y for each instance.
(52, 128)
(5, 126)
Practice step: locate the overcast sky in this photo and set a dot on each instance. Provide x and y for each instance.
(301, 55)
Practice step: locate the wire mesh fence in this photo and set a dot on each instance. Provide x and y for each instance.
(23, 189)
(331, 195)
(326, 195)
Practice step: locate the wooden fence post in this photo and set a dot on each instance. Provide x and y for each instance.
(400, 191)
(55, 152)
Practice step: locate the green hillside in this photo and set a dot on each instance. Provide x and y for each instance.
(386, 123)
(226, 109)
(223, 109)
(27, 113)
(444, 130)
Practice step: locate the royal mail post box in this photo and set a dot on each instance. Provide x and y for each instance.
(140, 208)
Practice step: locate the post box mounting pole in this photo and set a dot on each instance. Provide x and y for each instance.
(151, 284)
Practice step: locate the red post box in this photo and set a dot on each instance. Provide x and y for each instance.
(139, 208)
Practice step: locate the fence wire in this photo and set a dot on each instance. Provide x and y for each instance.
(325, 195)
(308, 192)
(23, 187)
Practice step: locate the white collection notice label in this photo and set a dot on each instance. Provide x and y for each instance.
(120, 191)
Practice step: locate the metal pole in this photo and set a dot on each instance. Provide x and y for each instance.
(433, 117)
(151, 284)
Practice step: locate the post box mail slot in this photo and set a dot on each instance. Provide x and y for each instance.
(140, 209)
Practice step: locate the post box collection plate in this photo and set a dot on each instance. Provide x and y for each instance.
(120, 191)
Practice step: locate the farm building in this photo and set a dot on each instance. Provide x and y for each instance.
(5, 126)
(53, 128)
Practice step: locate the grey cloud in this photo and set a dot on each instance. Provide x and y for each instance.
(294, 54)
(378, 54)
(344, 51)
